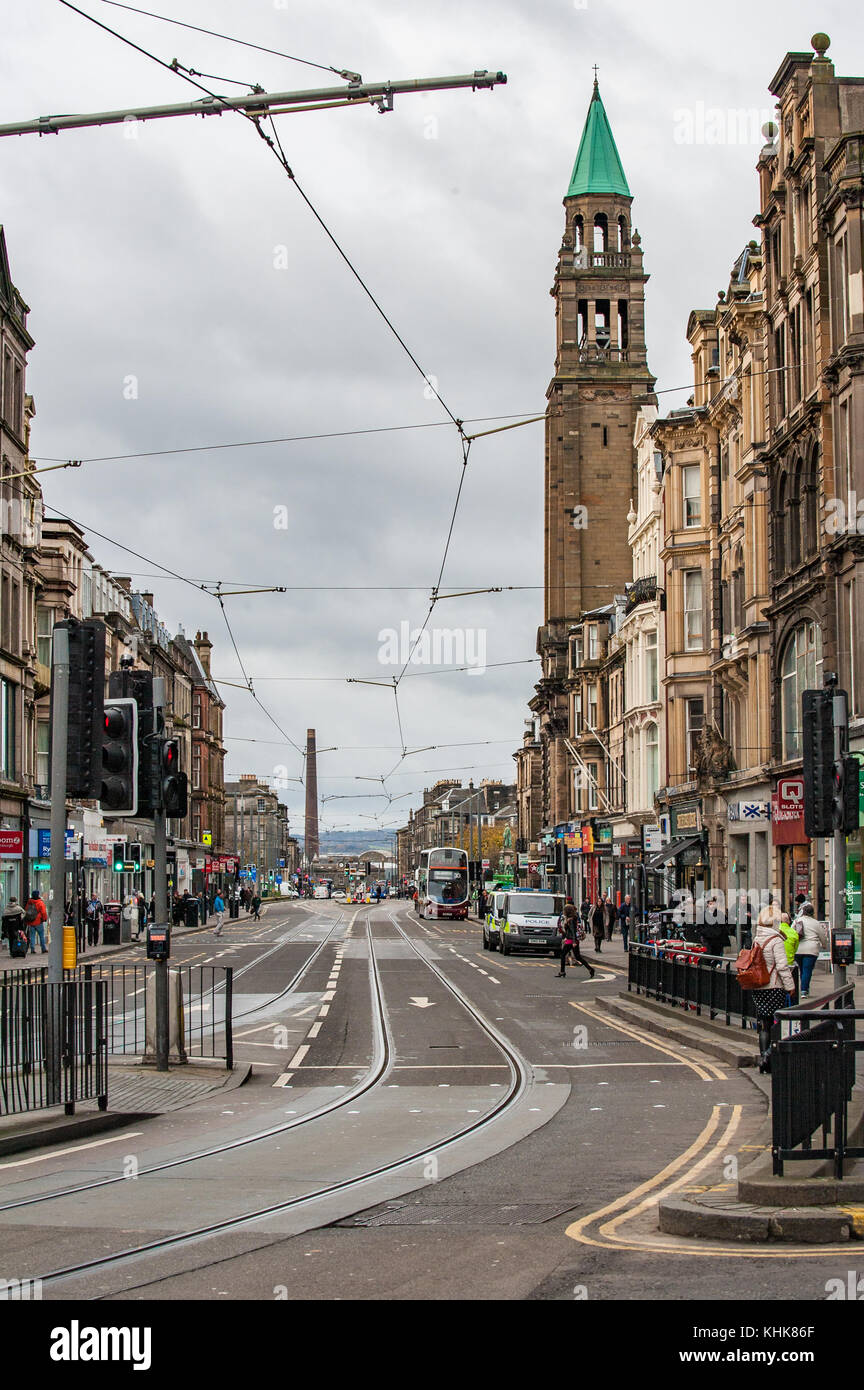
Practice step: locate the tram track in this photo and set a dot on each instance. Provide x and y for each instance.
(383, 1061)
(214, 1151)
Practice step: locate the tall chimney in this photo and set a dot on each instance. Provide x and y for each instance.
(311, 797)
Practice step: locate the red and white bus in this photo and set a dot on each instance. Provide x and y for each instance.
(442, 883)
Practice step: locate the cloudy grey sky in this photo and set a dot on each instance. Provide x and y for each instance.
(184, 258)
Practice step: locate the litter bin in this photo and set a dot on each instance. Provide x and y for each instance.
(111, 920)
(191, 913)
(233, 907)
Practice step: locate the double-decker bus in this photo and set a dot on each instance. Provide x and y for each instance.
(442, 883)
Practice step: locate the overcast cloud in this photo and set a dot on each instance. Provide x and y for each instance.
(159, 258)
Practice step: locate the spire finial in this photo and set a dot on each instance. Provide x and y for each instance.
(595, 77)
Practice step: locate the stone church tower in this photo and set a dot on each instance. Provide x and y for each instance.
(601, 380)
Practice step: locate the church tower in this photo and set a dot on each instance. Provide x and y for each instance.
(601, 380)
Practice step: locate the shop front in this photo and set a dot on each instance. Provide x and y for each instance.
(854, 857)
(749, 853)
(11, 855)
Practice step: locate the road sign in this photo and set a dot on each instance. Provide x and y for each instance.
(207, 837)
(278, 878)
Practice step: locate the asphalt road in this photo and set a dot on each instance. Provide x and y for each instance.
(425, 1120)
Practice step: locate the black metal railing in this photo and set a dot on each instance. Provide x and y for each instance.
(701, 983)
(53, 1044)
(813, 1063)
(207, 995)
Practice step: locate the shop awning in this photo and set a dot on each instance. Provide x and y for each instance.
(672, 851)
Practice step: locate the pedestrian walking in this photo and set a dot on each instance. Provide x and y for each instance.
(778, 990)
(93, 913)
(770, 914)
(568, 930)
(812, 938)
(255, 905)
(35, 917)
(608, 916)
(598, 923)
(625, 917)
(481, 902)
(219, 909)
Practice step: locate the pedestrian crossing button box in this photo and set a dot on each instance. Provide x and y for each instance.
(842, 946)
(158, 942)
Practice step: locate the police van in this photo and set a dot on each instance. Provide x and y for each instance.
(492, 920)
(529, 921)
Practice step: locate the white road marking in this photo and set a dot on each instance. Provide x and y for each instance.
(76, 1148)
(325, 998)
(324, 1011)
(299, 1055)
(314, 1030)
(422, 1001)
(283, 1079)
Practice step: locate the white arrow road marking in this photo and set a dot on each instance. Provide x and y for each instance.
(423, 1002)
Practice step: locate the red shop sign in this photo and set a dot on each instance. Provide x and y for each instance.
(11, 843)
(787, 812)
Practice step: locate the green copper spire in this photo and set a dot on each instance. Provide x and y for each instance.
(598, 165)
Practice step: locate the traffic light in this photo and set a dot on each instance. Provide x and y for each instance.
(119, 791)
(139, 685)
(846, 794)
(135, 855)
(174, 783)
(118, 856)
(818, 720)
(86, 710)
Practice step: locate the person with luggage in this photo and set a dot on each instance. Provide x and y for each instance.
(598, 922)
(219, 910)
(35, 917)
(13, 929)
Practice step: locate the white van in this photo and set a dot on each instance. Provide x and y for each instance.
(492, 920)
(529, 921)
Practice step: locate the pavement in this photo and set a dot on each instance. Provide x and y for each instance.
(35, 959)
(807, 1205)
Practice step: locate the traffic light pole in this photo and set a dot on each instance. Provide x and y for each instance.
(59, 742)
(160, 894)
(838, 842)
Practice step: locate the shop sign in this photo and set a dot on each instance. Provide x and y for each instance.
(749, 810)
(652, 839)
(587, 840)
(686, 819)
(787, 812)
(11, 844)
(604, 835)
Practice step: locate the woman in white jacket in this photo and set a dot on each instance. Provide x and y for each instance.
(774, 995)
(812, 938)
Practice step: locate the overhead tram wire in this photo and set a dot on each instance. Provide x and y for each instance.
(275, 146)
(202, 588)
(244, 43)
(261, 443)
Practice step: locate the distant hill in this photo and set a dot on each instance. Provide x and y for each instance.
(352, 841)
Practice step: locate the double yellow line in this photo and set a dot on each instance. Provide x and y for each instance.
(706, 1071)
